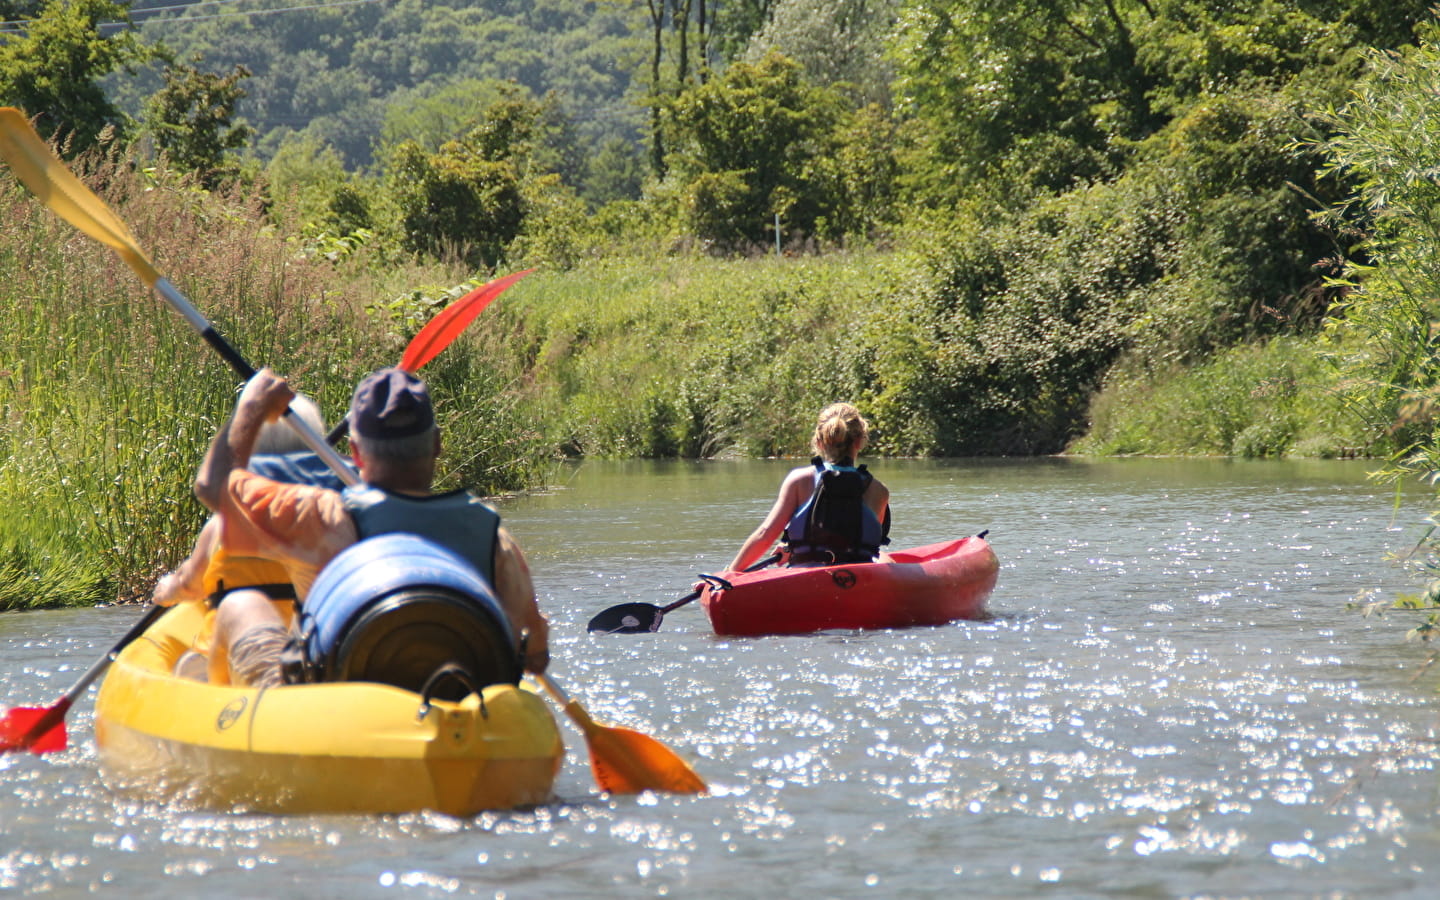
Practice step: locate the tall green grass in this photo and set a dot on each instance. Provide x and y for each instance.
(108, 399)
(1282, 398)
(693, 356)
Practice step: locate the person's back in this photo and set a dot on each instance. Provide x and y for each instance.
(840, 434)
(835, 525)
(395, 443)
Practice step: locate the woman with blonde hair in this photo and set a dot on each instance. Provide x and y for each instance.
(830, 511)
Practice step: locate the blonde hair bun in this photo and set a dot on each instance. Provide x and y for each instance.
(840, 432)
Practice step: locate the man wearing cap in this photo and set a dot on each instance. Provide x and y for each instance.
(395, 443)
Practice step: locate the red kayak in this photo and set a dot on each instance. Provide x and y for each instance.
(928, 585)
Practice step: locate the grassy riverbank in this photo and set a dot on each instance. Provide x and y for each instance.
(109, 399)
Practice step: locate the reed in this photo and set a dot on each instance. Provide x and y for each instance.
(691, 356)
(108, 399)
(1277, 399)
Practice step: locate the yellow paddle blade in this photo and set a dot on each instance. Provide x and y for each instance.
(49, 180)
(628, 762)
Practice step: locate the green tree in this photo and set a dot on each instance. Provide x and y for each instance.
(469, 198)
(614, 172)
(746, 147)
(310, 189)
(1386, 142)
(836, 42)
(1053, 93)
(735, 22)
(192, 121)
(53, 70)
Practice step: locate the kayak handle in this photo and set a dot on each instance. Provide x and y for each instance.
(716, 582)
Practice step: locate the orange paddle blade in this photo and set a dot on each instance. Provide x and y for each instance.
(27, 728)
(628, 762)
(440, 331)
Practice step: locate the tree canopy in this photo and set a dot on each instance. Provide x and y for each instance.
(54, 68)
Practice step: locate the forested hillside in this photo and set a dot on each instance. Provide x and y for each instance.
(354, 74)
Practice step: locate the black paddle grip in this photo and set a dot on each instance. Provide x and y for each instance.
(228, 353)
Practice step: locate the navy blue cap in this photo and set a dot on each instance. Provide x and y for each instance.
(391, 403)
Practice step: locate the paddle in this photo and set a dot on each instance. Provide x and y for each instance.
(441, 331)
(41, 729)
(636, 618)
(49, 180)
(625, 761)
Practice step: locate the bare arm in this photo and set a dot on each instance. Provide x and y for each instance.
(794, 491)
(877, 497)
(517, 596)
(187, 581)
(264, 399)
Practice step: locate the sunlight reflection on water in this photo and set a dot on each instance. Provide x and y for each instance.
(1169, 699)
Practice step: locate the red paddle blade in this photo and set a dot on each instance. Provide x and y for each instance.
(39, 729)
(440, 331)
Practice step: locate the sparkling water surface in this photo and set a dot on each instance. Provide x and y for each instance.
(1169, 700)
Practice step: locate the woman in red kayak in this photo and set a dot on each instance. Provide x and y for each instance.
(830, 511)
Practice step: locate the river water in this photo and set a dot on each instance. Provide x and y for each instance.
(1169, 700)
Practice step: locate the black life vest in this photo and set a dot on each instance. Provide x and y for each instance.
(835, 525)
(456, 520)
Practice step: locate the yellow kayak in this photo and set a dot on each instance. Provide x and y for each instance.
(315, 748)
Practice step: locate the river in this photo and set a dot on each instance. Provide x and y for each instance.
(1170, 699)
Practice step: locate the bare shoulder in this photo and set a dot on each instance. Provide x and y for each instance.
(507, 550)
(804, 474)
(799, 482)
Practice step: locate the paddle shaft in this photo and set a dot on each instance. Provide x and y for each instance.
(688, 598)
(318, 444)
(695, 595)
(606, 620)
(55, 714)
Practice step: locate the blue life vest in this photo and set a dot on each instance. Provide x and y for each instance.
(835, 525)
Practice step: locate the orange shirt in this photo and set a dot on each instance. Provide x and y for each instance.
(300, 526)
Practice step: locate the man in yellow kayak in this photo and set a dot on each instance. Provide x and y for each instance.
(395, 443)
(211, 571)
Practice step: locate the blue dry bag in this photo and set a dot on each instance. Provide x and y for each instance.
(398, 609)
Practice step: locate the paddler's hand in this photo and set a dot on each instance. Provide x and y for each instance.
(266, 395)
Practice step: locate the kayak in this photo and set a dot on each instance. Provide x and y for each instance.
(928, 585)
(315, 748)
